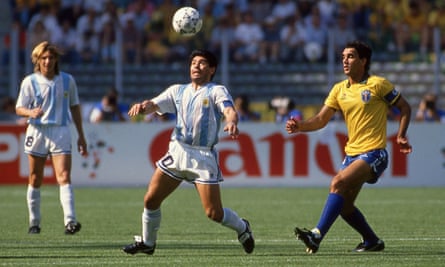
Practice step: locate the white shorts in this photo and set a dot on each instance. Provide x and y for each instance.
(192, 164)
(44, 140)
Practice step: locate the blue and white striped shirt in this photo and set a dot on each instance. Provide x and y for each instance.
(55, 97)
(198, 112)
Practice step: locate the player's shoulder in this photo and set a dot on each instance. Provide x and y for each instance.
(67, 74)
(216, 88)
(341, 84)
(379, 82)
(27, 78)
(377, 79)
(33, 77)
(177, 86)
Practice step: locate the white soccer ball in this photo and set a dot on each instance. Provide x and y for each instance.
(187, 21)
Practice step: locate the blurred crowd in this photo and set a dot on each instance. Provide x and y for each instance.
(256, 30)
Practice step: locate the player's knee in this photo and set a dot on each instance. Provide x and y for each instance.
(63, 178)
(151, 203)
(35, 180)
(338, 185)
(214, 214)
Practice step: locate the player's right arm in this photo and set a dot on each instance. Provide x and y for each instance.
(317, 122)
(145, 107)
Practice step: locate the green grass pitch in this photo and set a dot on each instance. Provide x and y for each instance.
(411, 221)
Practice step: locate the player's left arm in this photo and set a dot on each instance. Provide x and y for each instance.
(405, 115)
(145, 107)
(231, 118)
(77, 119)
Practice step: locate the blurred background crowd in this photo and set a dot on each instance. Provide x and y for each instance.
(256, 31)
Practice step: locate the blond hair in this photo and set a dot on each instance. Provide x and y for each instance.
(41, 48)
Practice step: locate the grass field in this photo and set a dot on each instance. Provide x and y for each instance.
(410, 220)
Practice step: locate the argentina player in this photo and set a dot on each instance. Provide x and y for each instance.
(47, 98)
(200, 107)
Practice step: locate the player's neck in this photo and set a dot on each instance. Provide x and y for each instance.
(358, 79)
(48, 74)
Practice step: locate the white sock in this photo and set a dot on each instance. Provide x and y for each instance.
(233, 221)
(67, 201)
(151, 221)
(33, 200)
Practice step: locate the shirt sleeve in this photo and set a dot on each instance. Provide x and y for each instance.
(26, 94)
(332, 99)
(74, 94)
(166, 100)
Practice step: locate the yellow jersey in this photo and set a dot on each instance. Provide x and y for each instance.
(364, 106)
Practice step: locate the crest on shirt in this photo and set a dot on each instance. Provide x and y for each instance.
(366, 96)
(65, 94)
(205, 102)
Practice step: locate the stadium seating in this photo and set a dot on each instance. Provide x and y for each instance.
(306, 84)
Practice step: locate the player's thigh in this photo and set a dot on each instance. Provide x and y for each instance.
(62, 168)
(160, 187)
(352, 177)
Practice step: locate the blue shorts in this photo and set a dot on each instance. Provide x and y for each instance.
(377, 159)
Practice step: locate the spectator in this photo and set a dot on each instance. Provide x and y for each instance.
(7, 44)
(89, 22)
(107, 39)
(436, 18)
(292, 39)
(428, 110)
(361, 20)
(248, 37)
(260, 9)
(412, 33)
(71, 11)
(392, 14)
(38, 34)
(380, 34)
(88, 47)
(224, 30)
(132, 40)
(242, 106)
(47, 16)
(316, 36)
(156, 46)
(202, 38)
(22, 11)
(270, 45)
(66, 40)
(141, 11)
(343, 32)
(327, 11)
(108, 109)
(285, 109)
(283, 9)
(166, 9)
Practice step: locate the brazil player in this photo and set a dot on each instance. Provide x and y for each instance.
(200, 106)
(47, 98)
(364, 100)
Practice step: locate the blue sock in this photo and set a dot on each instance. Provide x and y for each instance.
(332, 208)
(357, 221)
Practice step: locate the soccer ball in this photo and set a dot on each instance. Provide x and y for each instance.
(186, 21)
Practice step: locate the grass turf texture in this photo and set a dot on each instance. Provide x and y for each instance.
(410, 220)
